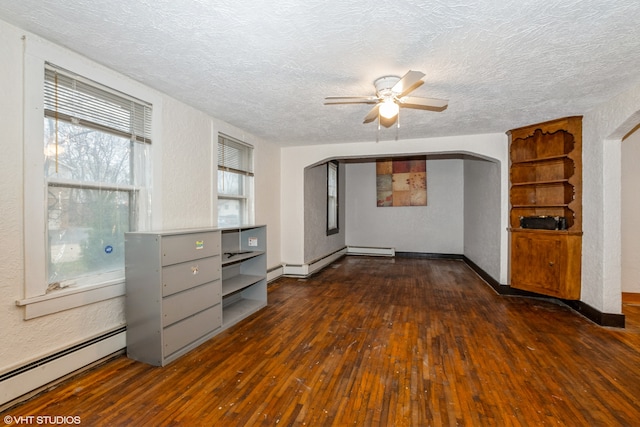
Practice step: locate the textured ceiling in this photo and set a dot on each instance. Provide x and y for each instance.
(266, 66)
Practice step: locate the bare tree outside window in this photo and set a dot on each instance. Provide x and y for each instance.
(87, 213)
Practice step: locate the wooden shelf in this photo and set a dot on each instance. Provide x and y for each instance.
(529, 230)
(546, 180)
(534, 206)
(539, 159)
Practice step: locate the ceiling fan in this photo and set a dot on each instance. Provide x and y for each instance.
(391, 94)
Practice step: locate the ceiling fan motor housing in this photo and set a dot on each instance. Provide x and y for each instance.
(384, 85)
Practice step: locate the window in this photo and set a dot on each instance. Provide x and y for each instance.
(332, 198)
(235, 182)
(95, 168)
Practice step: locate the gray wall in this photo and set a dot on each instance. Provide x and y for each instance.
(435, 228)
(316, 242)
(482, 214)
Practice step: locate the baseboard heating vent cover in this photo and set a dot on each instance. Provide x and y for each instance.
(32, 377)
(370, 251)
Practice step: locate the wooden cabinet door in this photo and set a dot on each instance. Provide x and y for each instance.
(539, 264)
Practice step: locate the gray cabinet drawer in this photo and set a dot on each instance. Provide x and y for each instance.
(186, 331)
(179, 277)
(183, 247)
(182, 305)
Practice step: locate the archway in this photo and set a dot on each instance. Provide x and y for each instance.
(630, 217)
(612, 213)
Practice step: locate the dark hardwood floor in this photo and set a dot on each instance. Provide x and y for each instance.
(377, 342)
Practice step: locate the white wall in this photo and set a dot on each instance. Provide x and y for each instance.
(266, 171)
(186, 163)
(435, 228)
(296, 159)
(11, 220)
(631, 213)
(184, 186)
(482, 225)
(603, 129)
(189, 161)
(25, 341)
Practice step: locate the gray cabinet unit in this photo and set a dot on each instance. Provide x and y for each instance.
(173, 292)
(244, 272)
(185, 286)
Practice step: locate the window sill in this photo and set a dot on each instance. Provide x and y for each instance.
(68, 298)
(332, 231)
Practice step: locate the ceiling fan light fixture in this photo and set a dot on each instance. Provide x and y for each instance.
(391, 94)
(389, 109)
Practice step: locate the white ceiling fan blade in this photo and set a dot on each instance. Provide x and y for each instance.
(373, 114)
(407, 82)
(351, 99)
(417, 102)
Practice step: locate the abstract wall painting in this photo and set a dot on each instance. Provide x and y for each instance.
(401, 182)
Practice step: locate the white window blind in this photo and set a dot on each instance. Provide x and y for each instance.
(235, 182)
(234, 156)
(74, 99)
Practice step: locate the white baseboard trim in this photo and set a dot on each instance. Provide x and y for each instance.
(36, 375)
(305, 270)
(274, 273)
(364, 250)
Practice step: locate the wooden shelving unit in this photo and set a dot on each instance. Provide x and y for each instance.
(546, 181)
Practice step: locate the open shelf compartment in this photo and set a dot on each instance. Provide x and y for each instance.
(244, 272)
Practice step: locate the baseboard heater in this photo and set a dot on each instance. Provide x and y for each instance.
(305, 270)
(32, 377)
(370, 251)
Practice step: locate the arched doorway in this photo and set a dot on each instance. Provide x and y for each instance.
(630, 217)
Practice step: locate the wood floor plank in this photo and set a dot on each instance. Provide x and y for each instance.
(378, 342)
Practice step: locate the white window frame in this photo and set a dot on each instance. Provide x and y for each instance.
(246, 199)
(36, 300)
